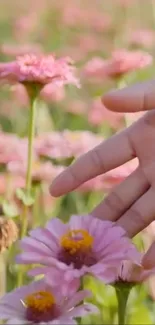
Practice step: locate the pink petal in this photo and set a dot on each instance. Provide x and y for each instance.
(56, 227)
(45, 236)
(77, 298)
(31, 245)
(83, 310)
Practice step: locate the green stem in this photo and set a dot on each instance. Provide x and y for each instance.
(79, 319)
(31, 133)
(122, 298)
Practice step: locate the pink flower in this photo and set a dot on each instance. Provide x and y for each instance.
(41, 172)
(41, 70)
(124, 61)
(121, 62)
(99, 114)
(40, 303)
(81, 141)
(12, 148)
(138, 272)
(142, 37)
(53, 145)
(94, 67)
(85, 245)
(17, 49)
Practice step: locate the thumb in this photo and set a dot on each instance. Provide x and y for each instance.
(135, 98)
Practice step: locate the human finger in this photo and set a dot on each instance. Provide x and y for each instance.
(108, 155)
(122, 197)
(135, 98)
(139, 215)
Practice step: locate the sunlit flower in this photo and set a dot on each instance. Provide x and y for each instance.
(42, 70)
(85, 245)
(40, 303)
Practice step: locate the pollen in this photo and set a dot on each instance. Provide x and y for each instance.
(75, 241)
(40, 301)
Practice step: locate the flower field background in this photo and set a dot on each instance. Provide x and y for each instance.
(112, 44)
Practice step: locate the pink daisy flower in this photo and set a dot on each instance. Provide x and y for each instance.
(85, 245)
(138, 272)
(40, 303)
(41, 70)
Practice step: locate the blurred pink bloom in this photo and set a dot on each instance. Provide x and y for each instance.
(142, 37)
(39, 69)
(121, 62)
(19, 94)
(16, 182)
(42, 304)
(12, 148)
(52, 93)
(20, 49)
(99, 114)
(84, 245)
(66, 144)
(94, 67)
(81, 141)
(132, 272)
(124, 61)
(24, 25)
(91, 18)
(53, 145)
(41, 172)
(78, 107)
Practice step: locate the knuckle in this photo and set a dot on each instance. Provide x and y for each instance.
(97, 160)
(137, 219)
(114, 202)
(75, 176)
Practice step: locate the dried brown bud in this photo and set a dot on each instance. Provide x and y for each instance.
(8, 233)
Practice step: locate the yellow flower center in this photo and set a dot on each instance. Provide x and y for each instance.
(40, 301)
(76, 241)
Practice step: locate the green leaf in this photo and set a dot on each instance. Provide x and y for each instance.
(9, 209)
(26, 198)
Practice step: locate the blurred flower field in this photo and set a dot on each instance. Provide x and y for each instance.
(112, 45)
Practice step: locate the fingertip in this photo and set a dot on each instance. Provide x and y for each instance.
(62, 184)
(114, 101)
(53, 190)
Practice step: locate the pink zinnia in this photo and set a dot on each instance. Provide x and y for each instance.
(40, 303)
(138, 272)
(85, 245)
(121, 62)
(41, 171)
(41, 70)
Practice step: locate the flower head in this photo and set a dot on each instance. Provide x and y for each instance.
(85, 245)
(40, 303)
(121, 62)
(140, 271)
(41, 70)
(8, 233)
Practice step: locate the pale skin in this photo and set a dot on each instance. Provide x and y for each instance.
(130, 204)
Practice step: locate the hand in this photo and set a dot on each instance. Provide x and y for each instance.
(132, 203)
